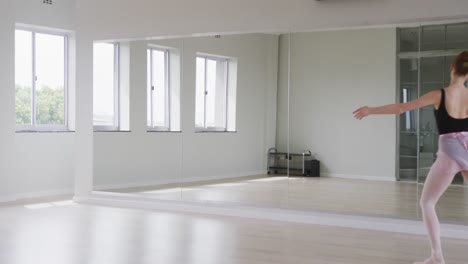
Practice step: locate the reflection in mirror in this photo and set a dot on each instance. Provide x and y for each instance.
(231, 81)
(329, 77)
(265, 119)
(137, 98)
(440, 44)
(332, 74)
(220, 93)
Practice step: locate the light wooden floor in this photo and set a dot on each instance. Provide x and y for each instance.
(66, 233)
(362, 197)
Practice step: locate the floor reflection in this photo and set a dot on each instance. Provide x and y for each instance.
(363, 197)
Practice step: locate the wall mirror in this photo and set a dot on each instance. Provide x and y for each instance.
(254, 119)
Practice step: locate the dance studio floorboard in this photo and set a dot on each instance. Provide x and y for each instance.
(64, 232)
(361, 197)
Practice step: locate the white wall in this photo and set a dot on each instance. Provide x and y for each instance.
(142, 158)
(332, 74)
(44, 164)
(31, 164)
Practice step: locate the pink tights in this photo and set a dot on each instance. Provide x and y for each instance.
(451, 159)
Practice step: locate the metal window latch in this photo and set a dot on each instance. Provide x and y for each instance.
(152, 88)
(206, 92)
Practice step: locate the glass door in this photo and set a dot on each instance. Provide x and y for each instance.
(432, 78)
(408, 148)
(424, 58)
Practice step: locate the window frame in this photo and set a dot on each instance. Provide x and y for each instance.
(226, 61)
(33, 127)
(116, 126)
(167, 115)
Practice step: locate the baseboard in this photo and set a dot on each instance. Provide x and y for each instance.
(359, 177)
(103, 187)
(35, 195)
(59, 192)
(224, 176)
(32, 195)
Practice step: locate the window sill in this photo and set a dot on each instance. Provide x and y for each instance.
(162, 131)
(44, 131)
(112, 131)
(208, 131)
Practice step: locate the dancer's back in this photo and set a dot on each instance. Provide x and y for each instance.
(456, 101)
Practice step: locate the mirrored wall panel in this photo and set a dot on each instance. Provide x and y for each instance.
(197, 119)
(264, 119)
(137, 118)
(351, 167)
(233, 151)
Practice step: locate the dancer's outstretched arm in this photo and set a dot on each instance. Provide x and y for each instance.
(431, 98)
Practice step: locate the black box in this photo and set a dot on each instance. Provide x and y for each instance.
(312, 168)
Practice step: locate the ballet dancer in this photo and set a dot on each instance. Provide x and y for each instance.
(451, 113)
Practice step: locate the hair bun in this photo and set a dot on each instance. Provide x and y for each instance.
(461, 64)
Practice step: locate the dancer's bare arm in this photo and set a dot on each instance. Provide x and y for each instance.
(431, 98)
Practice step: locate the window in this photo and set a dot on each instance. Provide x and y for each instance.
(40, 81)
(106, 86)
(158, 90)
(215, 94)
